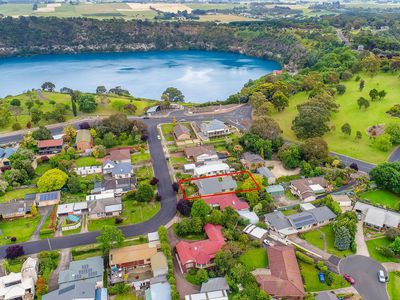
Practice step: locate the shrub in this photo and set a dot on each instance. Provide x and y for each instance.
(154, 181)
(304, 258)
(13, 239)
(16, 126)
(385, 251)
(118, 220)
(392, 233)
(118, 289)
(14, 251)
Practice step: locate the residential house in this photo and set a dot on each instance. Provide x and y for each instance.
(307, 189)
(217, 295)
(181, 132)
(215, 128)
(103, 206)
(120, 155)
(215, 185)
(47, 199)
(376, 217)
(159, 291)
(215, 284)
(284, 280)
(276, 190)
(81, 281)
(267, 173)
(255, 232)
(211, 169)
(118, 170)
(83, 171)
(50, 146)
(112, 185)
(252, 161)
(200, 254)
(343, 200)
(71, 208)
(189, 167)
(14, 209)
(300, 222)
(84, 140)
(5, 154)
(201, 153)
(152, 110)
(231, 200)
(20, 285)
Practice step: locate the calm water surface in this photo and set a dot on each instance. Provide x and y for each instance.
(201, 76)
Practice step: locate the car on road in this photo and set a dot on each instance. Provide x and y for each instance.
(349, 278)
(381, 276)
(359, 216)
(321, 277)
(158, 137)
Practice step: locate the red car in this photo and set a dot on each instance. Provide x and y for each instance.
(349, 278)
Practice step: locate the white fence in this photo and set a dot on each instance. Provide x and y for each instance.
(83, 171)
(71, 227)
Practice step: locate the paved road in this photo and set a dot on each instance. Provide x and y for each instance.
(364, 271)
(395, 156)
(363, 166)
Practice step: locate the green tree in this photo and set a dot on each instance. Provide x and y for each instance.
(144, 192)
(314, 149)
(383, 142)
(361, 84)
(362, 102)
(36, 115)
(69, 132)
(5, 115)
(48, 86)
(3, 187)
(42, 133)
(266, 128)
(395, 246)
(290, 156)
(371, 64)
(374, 94)
(99, 151)
(87, 103)
(358, 135)
(280, 101)
(393, 129)
(101, 89)
(341, 89)
(110, 237)
(201, 276)
(381, 94)
(342, 239)
(172, 94)
(15, 102)
(74, 108)
(257, 99)
(346, 128)
(200, 209)
(52, 180)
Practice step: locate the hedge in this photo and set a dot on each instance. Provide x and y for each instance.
(304, 258)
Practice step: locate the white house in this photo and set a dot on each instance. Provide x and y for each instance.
(211, 169)
(214, 128)
(342, 200)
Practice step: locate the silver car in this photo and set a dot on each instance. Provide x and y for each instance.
(381, 276)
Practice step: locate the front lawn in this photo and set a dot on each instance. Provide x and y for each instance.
(383, 198)
(16, 194)
(140, 157)
(22, 229)
(381, 242)
(180, 160)
(393, 285)
(314, 237)
(87, 161)
(168, 131)
(289, 212)
(41, 168)
(144, 173)
(255, 258)
(132, 213)
(311, 282)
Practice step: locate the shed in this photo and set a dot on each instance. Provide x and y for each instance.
(275, 190)
(189, 167)
(249, 215)
(306, 206)
(255, 232)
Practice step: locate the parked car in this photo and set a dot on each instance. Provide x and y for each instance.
(158, 137)
(268, 242)
(321, 277)
(349, 278)
(359, 217)
(381, 276)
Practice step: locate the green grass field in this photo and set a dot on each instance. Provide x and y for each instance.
(381, 242)
(383, 198)
(87, 162)
(255, 258)
(311, 282)
(140, 157)
(41, 168)
(394, 285)
(144, 173)
(22, 229)
(349, 112)
(314, 237)
(168, 131)
(132, 213)
(16, 194)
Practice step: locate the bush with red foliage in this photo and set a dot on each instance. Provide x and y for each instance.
(154, 181)
(14, 251)
(184, 207)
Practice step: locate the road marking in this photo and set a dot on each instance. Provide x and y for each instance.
(48, 241)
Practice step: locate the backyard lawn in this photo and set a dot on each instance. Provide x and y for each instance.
(255, 258)
(180, 160)
(383, 198)
(380, 242)
(289, 212)
(144, 173)
(360, 119)
(41, 168)
(132, 213)
(87, 161)
(16, 194)
(22, 229)
(140, 157)
(393, 285)
(311, 282)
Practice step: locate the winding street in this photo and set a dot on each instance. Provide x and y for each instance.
(238, 117)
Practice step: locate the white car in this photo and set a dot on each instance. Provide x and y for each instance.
(268, 242)
(158, 137)
(381, 276)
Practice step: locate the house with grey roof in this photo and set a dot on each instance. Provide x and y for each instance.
(181, 132)
(307, 188)
(79, 281)
(118, 170)
(214, 128)
(252, 161)
(5, 154)
(376, 217)
(118, 186)
(267, 174)
(300, 222)
(215, 185)
(14, 209)
(276, 190)
(214, 284)
(104, 208)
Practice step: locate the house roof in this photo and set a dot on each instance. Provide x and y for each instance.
(202, 252)
(341, 198)
(214, 125)
(278, 220)
(50, 143)
(214, 284)
(76, 290)
(249, 215)
(120, 154)
(82, 270)
(158, 261)
(105, 205)
(49, 196)
(326, 296)
(133, 253)
(252, 158)
(12, 207)
(7, 152)
(285, 279)
(378, 216)
(275, 188)
(180, 129)
(199, 150)
(224, 201)
(302, 219)
(83, 135)
(255, 231)
(264, 171)
(122, 169)
(322, 213)
(307, 186)
(215, 185)
(159, 291)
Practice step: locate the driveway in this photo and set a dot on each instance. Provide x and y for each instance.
(359, 238)
(65, 258)
(364, 271)
(44, 212)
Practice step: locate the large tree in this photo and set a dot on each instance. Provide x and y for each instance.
(172, 94)
(266, 127)
(87, 103)
(342, 238)
(52, 180)
(42, 133)
(48, 86)
(144, 192)
(387, 176)
(200, 209)
(280, 101)
(110, 237)
(314, 149)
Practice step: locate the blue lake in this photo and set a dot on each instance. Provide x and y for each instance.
(201, 76)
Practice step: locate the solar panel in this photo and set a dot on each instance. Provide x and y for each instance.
(303, 220)
(48, 196)
(67, 289)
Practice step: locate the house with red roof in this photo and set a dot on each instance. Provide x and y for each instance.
(120, 155)
(200, 254)
(284, 280)
(223, 201)
(50, 146)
